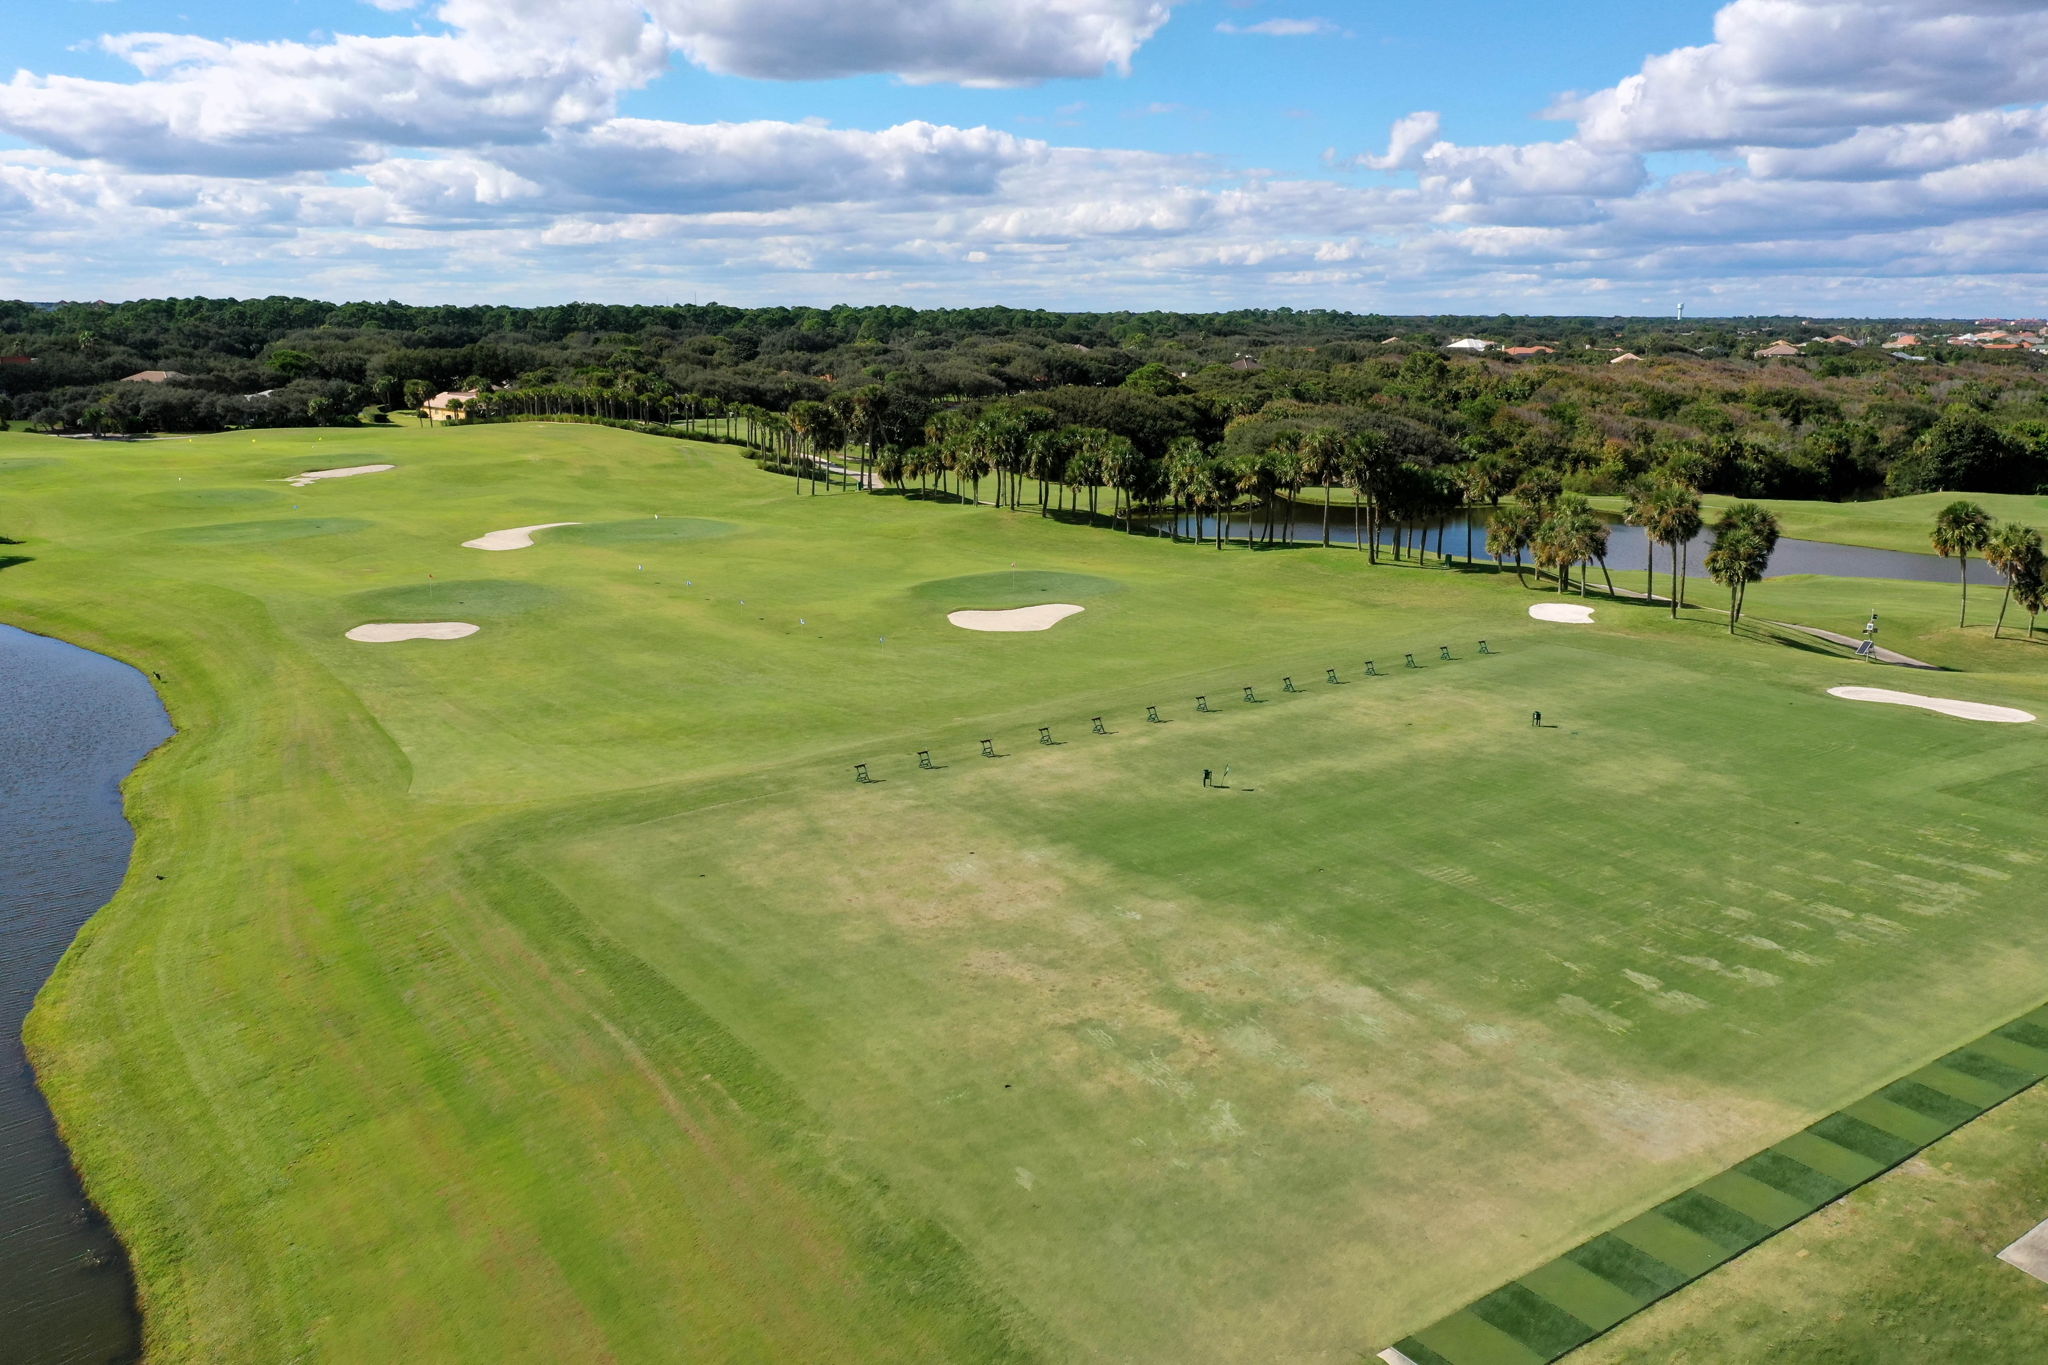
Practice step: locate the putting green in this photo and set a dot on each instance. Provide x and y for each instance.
(644, 531)
(488, 597)
(213, 497)
(263, 532)
(1017, 588)
(559, 995)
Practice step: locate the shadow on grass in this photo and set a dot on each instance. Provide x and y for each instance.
(9, 561)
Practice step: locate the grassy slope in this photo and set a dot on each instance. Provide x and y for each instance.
(555, 994)
(1889, 524)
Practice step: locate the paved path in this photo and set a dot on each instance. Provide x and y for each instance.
(1882, 655)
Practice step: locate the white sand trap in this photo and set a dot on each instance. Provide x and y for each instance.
(314, 476)
(1394, 1356)
(412, 630)
(1968, 710)
(2030, 1253)
(1023, 618)
(1565, 613)
(516, 538)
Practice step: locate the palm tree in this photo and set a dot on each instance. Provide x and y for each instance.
(2032, 590)
(1122, 468)
(1255, 480)
(1571, 534)
(1645, 502)
(1183, 459)
(1321, 452)
(1744, 539)
(1675, 525)
(1223, 479)
(1959, 528)
(1509, 531)
(2015, 552)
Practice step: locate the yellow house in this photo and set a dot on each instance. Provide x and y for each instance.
(442, 406)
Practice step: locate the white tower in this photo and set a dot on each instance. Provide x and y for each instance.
(1681, 312)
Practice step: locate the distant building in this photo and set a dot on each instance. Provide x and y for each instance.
(1244, 364)
(1626, 358)
(1837, 340)
(1782, 350)
(1902, 341)
(17, 360)
(153, 377)
(1531, 350)
(441, 407)
(1471, 344)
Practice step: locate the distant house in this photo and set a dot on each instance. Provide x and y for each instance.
(1471, 344)
(17, 360)
(1531, 350)
(1244, 364)
(1390, 341)
(1626, 358)
(1782, 350)
(1902, 341)
(153, 377)
(442, 406)
(1837, 340)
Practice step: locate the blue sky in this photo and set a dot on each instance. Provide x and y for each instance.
(1819, 156)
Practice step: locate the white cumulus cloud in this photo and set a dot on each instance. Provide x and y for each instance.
(969, 42)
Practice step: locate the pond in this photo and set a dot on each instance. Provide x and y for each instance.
(72, 725)
(1464, 534)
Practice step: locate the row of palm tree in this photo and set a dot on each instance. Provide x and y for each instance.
(2014, 551)
(1023, 447)
(1560, 532)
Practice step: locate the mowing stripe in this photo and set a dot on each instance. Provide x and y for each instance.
(1896, 1119)
(1560, 1306)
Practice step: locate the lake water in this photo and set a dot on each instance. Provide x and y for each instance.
(72, 725)
(1626, 549)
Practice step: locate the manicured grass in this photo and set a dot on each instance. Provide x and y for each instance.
(555, 992)
(1902, 1271)
(1886, 524)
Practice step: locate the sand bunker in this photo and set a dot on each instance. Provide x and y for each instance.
(1023, 618)
(1565, 613)
(1967, 710)
(412, 630)
(517, 538)
(314, 476)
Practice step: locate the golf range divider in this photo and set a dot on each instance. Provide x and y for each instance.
(1600, 1284)
(926, 763)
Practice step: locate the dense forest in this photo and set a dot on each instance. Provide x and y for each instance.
(1262, 401)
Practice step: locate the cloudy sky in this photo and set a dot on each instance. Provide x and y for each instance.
(1797, 156)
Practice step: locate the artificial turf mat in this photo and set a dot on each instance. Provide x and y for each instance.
(1560, 1306)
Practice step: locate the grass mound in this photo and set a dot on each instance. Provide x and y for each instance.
(646, 531)
(211, 497)
(1020, 588)
(261, 532)
(482, 599)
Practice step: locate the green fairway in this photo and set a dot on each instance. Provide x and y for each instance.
(555, 993)
(1890, 524)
